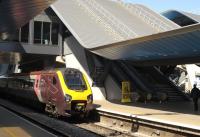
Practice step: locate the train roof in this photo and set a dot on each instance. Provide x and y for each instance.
(50, 71)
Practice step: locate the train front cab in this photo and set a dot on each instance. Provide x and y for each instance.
(77, 91)
(65, 92)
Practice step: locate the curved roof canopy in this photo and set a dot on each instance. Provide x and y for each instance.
(95, 23)
(15, 13)
(124, 31)
(114, 29)
(182, 18)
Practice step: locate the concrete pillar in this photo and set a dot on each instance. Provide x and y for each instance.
(60, 38)
(31, 32)
(50, 39)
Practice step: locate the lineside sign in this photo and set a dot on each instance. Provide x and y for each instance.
(126, 92)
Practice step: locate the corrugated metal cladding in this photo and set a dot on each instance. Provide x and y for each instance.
(175, 44)
(182, 18)
(95, 23)
(15, 13)
(192, 16)
(116, 30)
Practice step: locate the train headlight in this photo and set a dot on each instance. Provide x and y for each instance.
(68, 98)
(89, 99)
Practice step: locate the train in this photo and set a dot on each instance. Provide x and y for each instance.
(62, 91)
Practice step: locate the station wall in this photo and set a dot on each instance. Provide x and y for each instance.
(78, 60)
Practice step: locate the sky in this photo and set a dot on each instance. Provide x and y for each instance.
(192, 6)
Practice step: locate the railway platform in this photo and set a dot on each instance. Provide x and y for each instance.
(176, 116)
(12, 125)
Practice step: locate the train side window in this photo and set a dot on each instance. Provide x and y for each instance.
(54, 80)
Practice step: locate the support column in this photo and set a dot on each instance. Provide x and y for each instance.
(50, 30)
(60, 38)
(31, 32)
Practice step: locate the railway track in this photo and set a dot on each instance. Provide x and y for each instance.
(63, 127)
(59, 128)
(142, 127)
(100, 123)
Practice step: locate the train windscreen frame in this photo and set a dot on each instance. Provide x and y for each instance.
(74, 80)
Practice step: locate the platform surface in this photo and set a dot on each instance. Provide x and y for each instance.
(12, 125)
(173, 113)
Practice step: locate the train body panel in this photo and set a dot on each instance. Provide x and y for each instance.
(63, 91)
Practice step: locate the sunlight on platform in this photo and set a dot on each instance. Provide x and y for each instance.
(13, 132)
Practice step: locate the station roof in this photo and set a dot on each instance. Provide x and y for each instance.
(192, 16)
(95, 23)
(182, 18)
(178, 46)
(174, 14)
(15, 13)
(124, 31)
(113, 29)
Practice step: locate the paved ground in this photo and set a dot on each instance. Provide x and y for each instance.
(12, 125)
(175, 113)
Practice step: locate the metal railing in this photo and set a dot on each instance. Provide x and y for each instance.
(109, 19)
(147, 17)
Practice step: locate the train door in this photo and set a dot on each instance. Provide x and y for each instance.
(43, 87)
(37, 87)
(56, 93)
(53, 90)
(46, 88)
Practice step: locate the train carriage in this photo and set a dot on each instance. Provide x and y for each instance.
(64, 92)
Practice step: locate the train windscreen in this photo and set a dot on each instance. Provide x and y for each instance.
(75, 81)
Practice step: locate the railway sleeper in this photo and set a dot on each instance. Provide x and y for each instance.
(141, 127)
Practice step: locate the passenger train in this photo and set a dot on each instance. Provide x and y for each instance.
(63, 92)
